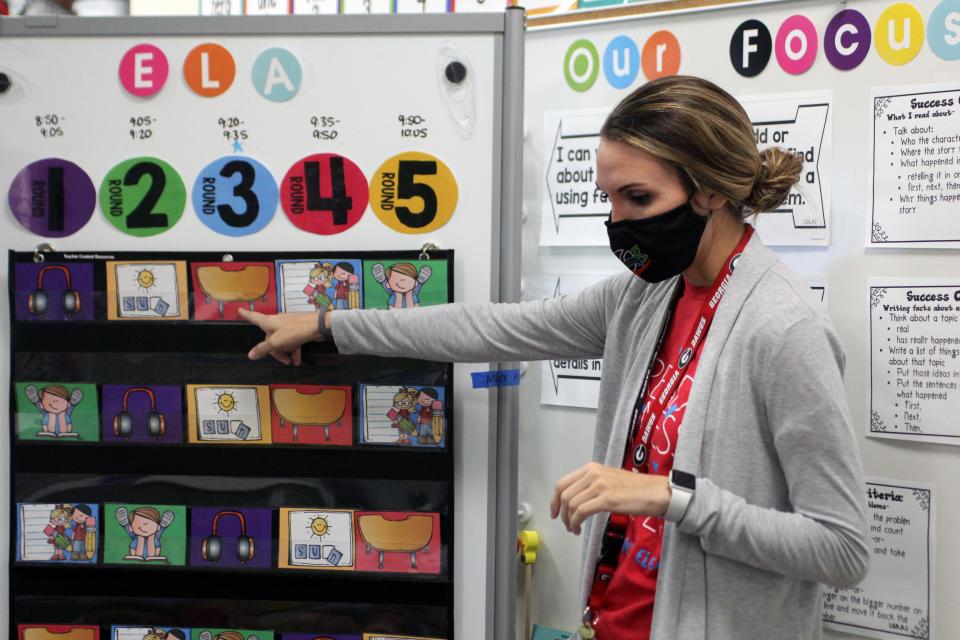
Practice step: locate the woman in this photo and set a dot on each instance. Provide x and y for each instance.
(729, 523)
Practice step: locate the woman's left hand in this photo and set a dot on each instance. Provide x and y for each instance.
(595, 488)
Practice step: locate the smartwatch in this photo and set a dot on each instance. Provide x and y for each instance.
(683, 486)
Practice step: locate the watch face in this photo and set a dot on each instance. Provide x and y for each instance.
(683, 479)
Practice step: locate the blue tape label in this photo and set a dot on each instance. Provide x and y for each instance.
(486, 379)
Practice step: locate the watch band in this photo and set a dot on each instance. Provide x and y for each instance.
(322, 328)
(682, 488)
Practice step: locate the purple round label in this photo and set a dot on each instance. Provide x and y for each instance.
(846, 41)
(52, 197)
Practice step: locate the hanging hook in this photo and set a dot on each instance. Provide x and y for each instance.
(42, 248)
(427, 248)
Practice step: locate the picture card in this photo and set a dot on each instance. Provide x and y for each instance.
(147, 290)
(206, 633)
(404, 284)
(412, 415)
(57, 632)
(57, 411)
(228, 414)
(398, 541)
(380, 636)
(311, 414)
(149, 633)
(324, 283)
(145, 534)
(317, 539)
(319, 636)
(142, 414)
(230, 537)
(58, 532)
(221, 288)
(53, 291)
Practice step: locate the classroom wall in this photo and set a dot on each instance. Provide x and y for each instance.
(556, 440)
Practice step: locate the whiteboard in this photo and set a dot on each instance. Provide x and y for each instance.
(363, 72)
(553, 439)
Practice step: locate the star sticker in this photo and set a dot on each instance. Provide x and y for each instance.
(237, 147)
(656, 467)
(670, 411)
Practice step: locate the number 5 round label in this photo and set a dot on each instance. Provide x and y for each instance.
(235, 196)
(324, 193)
(143, 196)
(413, 193)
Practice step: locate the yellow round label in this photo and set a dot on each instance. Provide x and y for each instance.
(898, 36)
(413, 192)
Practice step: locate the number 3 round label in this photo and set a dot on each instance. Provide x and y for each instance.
(235, 196)
(413, 193)
(143, 196)
(324, 193)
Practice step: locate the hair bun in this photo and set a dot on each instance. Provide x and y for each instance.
(779, 171)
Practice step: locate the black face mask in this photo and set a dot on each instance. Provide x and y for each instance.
(658, 247)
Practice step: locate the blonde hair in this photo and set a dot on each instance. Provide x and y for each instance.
(60, 511)
(321, 269)
(704, 133)
(405, 393)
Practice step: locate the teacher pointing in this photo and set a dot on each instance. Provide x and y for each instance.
(725, 485)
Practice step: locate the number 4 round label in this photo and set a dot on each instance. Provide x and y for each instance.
(235, 196)
(413, 193)
(143, 196)
(324, 193)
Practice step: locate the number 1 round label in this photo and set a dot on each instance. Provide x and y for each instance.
(413, 193)
(235, 196)
(324, 193)
(143, 196)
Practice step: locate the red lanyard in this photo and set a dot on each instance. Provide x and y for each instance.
(617, 524)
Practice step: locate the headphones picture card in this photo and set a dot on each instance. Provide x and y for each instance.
(225, 537)
(147, 414)
(53, 291)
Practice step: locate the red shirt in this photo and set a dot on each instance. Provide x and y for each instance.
(627, 608)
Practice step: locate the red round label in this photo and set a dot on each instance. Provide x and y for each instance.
(325, 193)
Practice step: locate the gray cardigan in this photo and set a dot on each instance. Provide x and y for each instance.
(780, 500)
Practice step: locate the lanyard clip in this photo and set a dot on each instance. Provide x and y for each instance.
(586, 631)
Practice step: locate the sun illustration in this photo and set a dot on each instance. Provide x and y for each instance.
(319, 526)
(226, 402)
(146, 279)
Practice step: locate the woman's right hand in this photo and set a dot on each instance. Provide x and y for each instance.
(285, 334)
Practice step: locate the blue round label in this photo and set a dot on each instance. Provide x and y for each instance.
(621, 62)
(235, 196)
(277, 74)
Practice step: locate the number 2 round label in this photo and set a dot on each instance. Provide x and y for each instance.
(324, 193)
(235, 196)
(143, 196)
(413, 193)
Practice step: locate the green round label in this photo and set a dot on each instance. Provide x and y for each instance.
(143, 196)
(581, 65)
